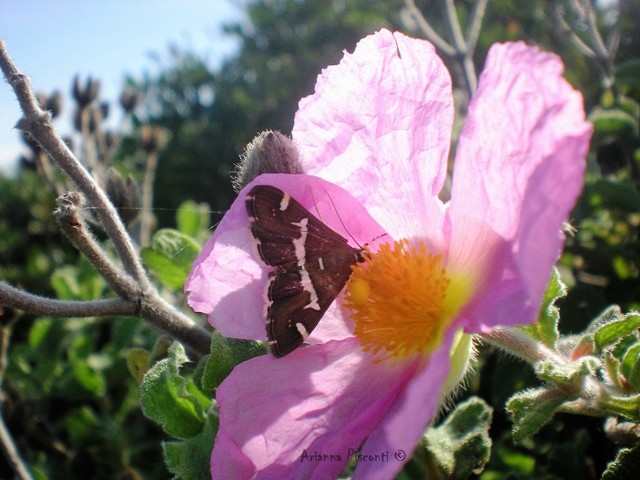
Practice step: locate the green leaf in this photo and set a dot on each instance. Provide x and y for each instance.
(89, 378)
(611, 332)
(77, 282)
(193, 218)
(608, 315)
(546, 328)
(170, 256)
(614, 122)
(82, 424)
(567, 374)
(190, 459)
(168, 398)
(630, 366)
(461, 445)
(615, 195)
(627, 406)
(532, 409)
(226, 353)
(138, 363)
(628, 73)
(625, 466)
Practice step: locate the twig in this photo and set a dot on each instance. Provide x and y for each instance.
(565, 30)
(5, 335)
(603, 53)
(11, 453)
(74, 227)
(7, 444)
(161, 314)
(138, 295)
(463, 45)
(37, 123)
(147, 197)
(428, 31)
(28, 302)
(151, 307)
(475, 24)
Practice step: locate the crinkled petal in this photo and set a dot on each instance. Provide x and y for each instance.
(303, 417)
(519, 169)
(482, 267)
(407, 419)
(379, 125)
(228, 280)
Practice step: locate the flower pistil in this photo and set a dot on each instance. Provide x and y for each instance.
(400, 300)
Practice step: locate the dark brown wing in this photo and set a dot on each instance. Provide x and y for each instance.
(312, 264)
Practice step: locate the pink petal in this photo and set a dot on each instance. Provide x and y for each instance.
(379, 125)
(228, 279)
(485, 260)
(323, 400)
(519, 167)
(408, 418)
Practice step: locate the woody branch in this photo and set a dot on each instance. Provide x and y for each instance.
(131, 284)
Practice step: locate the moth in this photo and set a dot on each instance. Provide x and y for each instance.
(312, 264)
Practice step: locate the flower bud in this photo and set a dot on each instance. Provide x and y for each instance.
(86, 94)
(153, 139)
(124, 195)
(269, 152)
(129, 99)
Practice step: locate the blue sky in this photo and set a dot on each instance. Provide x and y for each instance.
(52, 40)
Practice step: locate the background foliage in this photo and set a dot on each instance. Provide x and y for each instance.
(70, 386)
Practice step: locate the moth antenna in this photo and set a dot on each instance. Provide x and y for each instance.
(315, 204)
(341, 222)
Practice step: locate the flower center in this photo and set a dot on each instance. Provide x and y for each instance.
(398, 300)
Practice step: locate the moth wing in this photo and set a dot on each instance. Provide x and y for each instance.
(298, 302)
(276, 220)
(301, 289)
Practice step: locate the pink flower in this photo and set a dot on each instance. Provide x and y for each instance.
(374, 139)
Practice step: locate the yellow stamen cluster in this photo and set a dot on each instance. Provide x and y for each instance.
(397, 300)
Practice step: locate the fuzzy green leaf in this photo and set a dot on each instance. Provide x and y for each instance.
(630, 366)
(567, 374)
(226, 353)
(625, 466)
(461, 445)
(546, 328)
(170, 399)
(170, 256)
(615, 329)
(190, 459)
(532, 409)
